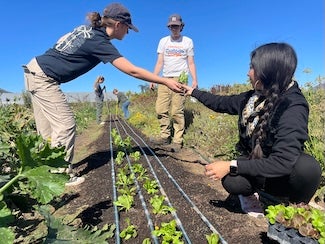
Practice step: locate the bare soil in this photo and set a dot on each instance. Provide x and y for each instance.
(93, 199)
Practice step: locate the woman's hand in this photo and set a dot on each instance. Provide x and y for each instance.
(173, 85)
(187, 89)
(217, 170)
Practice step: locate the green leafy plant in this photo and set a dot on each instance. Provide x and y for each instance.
(126, 190)
(119, 142)
(169, 233)
(213, 238)
(151, 186)
(135, 156)
(84, 113)
(146, 241)
(124, 180)
(307, 220)
(7, 234)
(59, 232)
(119, 157)
(129, 232)
(33, 178)
(124, 202)
(140, 171)
(183, 78)
(157, 203)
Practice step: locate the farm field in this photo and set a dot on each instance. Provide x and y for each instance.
(132, 188)
(204, 207)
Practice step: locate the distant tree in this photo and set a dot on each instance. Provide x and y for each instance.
(3, 91)
(144, 88)
(307, 70)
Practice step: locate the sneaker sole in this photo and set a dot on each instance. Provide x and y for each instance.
(78, 181)
(60, 171)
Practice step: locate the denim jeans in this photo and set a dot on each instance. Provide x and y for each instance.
(125, 108)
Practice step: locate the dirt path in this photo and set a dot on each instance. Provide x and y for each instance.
(92, 201)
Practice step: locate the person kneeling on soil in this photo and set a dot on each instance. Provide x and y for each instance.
(273, 127)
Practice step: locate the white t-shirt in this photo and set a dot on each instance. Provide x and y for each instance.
(175, 54)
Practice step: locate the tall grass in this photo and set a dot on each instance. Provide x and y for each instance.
(316, 143)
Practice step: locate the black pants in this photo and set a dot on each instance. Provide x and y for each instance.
(299, 186)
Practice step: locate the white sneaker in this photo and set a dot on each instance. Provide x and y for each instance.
(74, 181)
(102, 123)
(60, 171)
(251, 205)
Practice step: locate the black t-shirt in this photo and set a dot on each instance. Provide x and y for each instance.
(77, 52)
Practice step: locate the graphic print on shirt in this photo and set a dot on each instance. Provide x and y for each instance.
(175, 51)
(69, 43)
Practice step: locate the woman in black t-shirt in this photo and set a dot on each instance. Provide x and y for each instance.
(74, 54)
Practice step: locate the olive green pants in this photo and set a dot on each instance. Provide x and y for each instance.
(170, 113)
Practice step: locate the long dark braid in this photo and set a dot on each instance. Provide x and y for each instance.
(274, 65)
(260, 131)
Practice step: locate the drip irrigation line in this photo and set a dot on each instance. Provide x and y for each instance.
(178, 221)
(195, 208)
(116, 216)
(143, 203)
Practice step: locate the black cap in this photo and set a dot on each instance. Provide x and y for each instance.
(118, 12)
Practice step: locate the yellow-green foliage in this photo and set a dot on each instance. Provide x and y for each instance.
(84, 112)
(143, 115)
(213, 133)
(316, 143)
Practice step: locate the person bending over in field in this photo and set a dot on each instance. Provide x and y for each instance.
(73, 55)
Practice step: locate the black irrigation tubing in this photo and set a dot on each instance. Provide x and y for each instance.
(178, 221)
(143, 203)
(116, 216)
(204, 219)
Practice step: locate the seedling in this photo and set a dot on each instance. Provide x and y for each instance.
(125, 180)
(129, 231)
(135, 155)
(213, 238)
(169, 233)
(157, 203)
(119, 157)
(126, 190)
(151, 186)
(124, 202)
(307, 220)
(183, 78)
(140, 171)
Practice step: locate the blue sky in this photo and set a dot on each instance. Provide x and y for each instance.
(224, 34)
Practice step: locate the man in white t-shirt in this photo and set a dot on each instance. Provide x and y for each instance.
(175, 56)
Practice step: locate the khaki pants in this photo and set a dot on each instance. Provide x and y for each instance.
(54, 118)
(170, 110)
